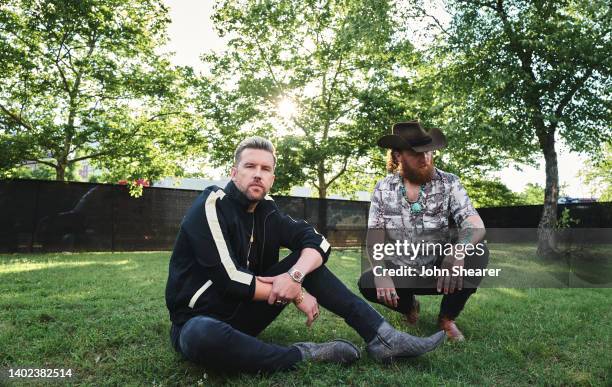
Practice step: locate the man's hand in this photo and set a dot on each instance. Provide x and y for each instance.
(451, 282)
(284, 289)
(385, 291)
(310, 307)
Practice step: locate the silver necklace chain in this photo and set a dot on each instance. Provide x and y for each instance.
(251, 240)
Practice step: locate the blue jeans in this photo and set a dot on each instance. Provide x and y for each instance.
(232, 345)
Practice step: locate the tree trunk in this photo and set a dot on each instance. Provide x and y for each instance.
(60, 167)
(60, 172)
(546, 228)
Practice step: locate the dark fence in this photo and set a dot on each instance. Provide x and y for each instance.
(41, 216)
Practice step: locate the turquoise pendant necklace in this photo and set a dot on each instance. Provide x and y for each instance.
(417, 206)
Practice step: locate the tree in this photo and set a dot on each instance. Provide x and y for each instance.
(532, 194)
(81, 80)
(526, 74)
(490, 193)
(306, 74)
(597, 174)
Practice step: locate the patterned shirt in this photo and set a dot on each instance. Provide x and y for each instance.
(444, 196)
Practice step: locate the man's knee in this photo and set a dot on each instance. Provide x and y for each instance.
(485, 255)
(202, 337)
(479, 258)
(366, 285)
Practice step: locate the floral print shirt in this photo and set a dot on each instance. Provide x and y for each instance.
(444, 197)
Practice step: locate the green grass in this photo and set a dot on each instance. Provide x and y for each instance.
(104, 316)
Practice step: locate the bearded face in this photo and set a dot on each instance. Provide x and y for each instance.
(416, 167)
(254, 173)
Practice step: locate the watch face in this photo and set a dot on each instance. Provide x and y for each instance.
(297, 275)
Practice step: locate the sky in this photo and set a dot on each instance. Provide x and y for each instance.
(191, 33)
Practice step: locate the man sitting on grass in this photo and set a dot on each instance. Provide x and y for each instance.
(226, 283)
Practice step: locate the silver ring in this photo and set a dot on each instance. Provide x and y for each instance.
(393, 295)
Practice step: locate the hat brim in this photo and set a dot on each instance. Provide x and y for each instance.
(392, 141)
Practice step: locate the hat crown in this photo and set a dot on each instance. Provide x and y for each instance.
(412, 135)
(411, 131)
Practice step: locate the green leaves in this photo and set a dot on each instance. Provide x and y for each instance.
(491, 193)
(597, 174)
(515, 78)
(81, 80)
(522, 62)
(330, 60)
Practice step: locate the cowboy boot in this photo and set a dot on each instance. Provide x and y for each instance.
(336, 351)
(390, 344)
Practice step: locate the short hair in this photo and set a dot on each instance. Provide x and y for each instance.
(254, 142)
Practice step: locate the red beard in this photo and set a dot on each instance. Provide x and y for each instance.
(418, 176)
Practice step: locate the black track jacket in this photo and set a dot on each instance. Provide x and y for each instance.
(209, 273)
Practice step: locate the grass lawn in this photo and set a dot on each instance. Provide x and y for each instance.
(103, 315)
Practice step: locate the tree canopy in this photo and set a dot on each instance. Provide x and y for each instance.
(506, 80)
(490, 193)
(597, 174)
(311, 75)
(83, 81)
(525, 74)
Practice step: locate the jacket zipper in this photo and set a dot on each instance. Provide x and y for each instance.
(263, 247)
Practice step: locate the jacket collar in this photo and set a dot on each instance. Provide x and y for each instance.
(233, 192)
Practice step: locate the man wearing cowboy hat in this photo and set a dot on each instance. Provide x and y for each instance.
(413, 205)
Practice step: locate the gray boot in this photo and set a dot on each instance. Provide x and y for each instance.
(336, 351)
(390, 344)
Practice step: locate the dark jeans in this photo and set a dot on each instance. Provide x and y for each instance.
(407, 287)
(231, 345)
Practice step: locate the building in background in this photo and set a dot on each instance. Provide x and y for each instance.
(200, 184)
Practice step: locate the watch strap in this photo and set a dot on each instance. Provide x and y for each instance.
(296, 275)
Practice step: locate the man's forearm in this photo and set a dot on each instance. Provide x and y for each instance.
(262, 290)
(309, 260)
(472, 230)
(374, 237)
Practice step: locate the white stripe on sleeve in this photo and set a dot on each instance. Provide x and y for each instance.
(215, 229)
(324, 245)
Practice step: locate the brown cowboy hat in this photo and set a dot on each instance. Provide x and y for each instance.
(411, 135)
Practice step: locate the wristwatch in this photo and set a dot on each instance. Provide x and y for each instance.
(296, 275)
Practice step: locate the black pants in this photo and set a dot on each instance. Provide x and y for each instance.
(407, 287)
(232, 345)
